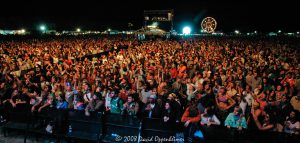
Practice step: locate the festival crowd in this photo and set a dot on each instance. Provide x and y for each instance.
(193, 82)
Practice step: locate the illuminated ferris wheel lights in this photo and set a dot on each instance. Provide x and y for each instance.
(209, 25)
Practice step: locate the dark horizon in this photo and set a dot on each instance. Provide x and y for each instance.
(245, 16)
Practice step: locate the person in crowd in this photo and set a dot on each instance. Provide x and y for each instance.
(42, 102)
(116, 103)
(168, 115)
(191, 118)
(236, 119)
(295, 101)
(49, 103)
(231, 90)
(69, 94)
(87, 95)
(267, 123)
(245, 99)
(4, 101)
(208, 118)
(20, 100)
(209, 122)
(224, 103)
(152, 109)
(218, 73)
(205, 97)
(108, 96)
(175, 106)
(131, 107)
(256, 80)
(96, 103)
(190, 90)
(261, 103)
(61, 102)
(182, 69)
(79, 102)
(292, 123)
(15, 99)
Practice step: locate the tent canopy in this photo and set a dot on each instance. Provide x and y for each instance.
(150, 31)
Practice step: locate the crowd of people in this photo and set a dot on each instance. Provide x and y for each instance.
(193, 82)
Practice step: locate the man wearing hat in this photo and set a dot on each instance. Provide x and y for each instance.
(152, 109)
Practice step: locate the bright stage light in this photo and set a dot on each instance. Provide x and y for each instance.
(23, 31)
(78, 29)
(42, 27)
(237, 32)
(186, 30)
(279, 31)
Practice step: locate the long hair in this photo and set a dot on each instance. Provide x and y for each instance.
(209, 112)
(62, 96)
(170, 108)
(193, 110)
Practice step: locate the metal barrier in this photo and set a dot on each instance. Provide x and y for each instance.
(119, 128)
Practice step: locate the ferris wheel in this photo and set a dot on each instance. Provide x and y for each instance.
(209, 24)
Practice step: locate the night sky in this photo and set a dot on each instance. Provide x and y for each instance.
(245, 15)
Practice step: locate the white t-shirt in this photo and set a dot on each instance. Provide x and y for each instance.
(55, 60)
(292, 127)
(107, 100)
(199, 81)
(120, 57)
(87, 97)
(145, 95)
(249, 100)
(204, 120)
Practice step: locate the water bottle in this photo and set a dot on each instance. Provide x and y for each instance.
(70, 129)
